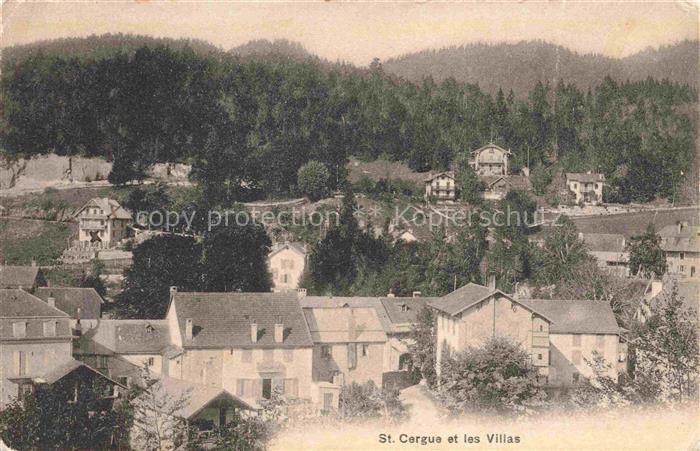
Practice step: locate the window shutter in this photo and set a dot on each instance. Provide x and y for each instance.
(17, 361)
(352, 355)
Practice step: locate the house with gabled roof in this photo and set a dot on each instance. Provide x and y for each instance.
(587, 187)
(287, 262)
(138, 341)
(441, 187)
(102, 220)
(35, 338)
(609, 250)
(246, 343)
(474, 313)
(579, 328)
(681, 246)
(490, 160)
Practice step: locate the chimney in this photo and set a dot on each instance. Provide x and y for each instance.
(33, 262)
(188, 328)
(390, 295)
(254, 332)
(173, 291)
(51, 300)
(492, 282)
(279, 331)
(416, 294)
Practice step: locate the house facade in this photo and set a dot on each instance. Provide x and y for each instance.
(490, 160)
(246, 343)
(35, 339)
(102, 220)
(287, 262)
(472, 314)
(578, 329)
(587, 188)
(441, 187)
(349, 344)
(681, 246)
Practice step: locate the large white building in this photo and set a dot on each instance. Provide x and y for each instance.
(102, 220)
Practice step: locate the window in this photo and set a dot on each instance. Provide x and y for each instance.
(326, 351)
(541, 328)
(150, 361)
(50, 328)
(19, 330)
(576, 357)
(364, 351)
(575, 378)
(247, 355)
(682, 255)
(576, 340)
(692, 271)
(124, 380)
(539, 357)
(288, 355)
(285, 278)
(681, 268)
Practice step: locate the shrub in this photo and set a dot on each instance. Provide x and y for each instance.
(369, 401)
(496, 377)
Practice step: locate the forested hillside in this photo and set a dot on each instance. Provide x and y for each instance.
(247, 124)
(519, 66)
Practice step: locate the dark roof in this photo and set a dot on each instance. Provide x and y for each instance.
(461, 299)
(491, 145)
(576, 316)
(18, 276)
(61, 371)
(224, 319)
(685, 240)
(70, 299)
(298, 247)
(19, 303)
(585, 177)
(432, 176)
(404, 310)
(132, 336)
(344, 325)
(603, 242)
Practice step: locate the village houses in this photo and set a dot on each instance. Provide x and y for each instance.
(102, 220)
(287, 262)
(587, 188)
(35, 338)
(609, 250)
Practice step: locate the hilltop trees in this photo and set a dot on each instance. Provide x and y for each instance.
(249, 126)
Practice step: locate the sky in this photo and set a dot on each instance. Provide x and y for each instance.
(356, 32)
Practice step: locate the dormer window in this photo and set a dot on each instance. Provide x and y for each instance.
(149, 328)
(404, 308)
(19, 329)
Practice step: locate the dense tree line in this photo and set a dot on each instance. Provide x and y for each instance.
(248, 126)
